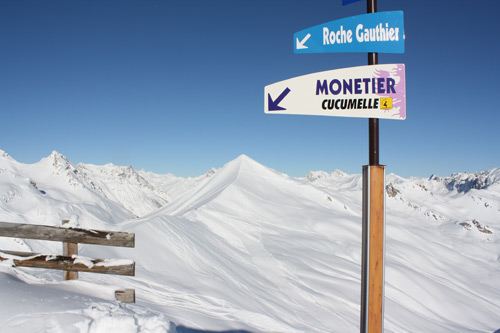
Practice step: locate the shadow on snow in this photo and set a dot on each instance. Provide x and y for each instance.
(184, 329)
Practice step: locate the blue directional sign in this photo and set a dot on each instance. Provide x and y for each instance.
(381, 32)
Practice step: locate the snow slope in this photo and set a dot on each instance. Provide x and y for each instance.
(443, 263)
(245, 247)
(127, 187)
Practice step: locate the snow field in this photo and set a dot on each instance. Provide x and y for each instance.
(245, 247)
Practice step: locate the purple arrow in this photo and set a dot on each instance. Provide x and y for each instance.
(274, 105)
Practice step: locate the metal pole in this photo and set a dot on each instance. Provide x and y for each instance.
(373, 132)
(372, 269)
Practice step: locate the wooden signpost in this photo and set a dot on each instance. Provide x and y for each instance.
(352, 92)
(373, 248)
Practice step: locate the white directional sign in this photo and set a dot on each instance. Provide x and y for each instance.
(376, 91)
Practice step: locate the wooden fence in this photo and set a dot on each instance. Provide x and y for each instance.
(70, 262)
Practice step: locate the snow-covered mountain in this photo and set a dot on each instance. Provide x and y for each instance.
(464, 182)
(245, 247)
(56, 178)
(126, 186)
(51, 190)
(461, 197)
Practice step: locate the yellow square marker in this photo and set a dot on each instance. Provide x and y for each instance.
(386, 103)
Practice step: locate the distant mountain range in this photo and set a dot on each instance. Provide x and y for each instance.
(140, 192)
(246, 247)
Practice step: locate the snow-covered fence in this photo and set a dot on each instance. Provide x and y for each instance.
(70, 262)
(63, 234)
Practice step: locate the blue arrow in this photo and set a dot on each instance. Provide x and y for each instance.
(274, 105)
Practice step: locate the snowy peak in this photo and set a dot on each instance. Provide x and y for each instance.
(336, 179)
(58, 164)
(61, 168)
(245, 164)
(212, 185)
(53, 189)
(244, 187)
(58, 161)
(336, 173)
(5, 155)
(56, 178)
(126, 186)
(239, 170)
(122, 174)
(314, 175)
(464, 182)
(210, 172)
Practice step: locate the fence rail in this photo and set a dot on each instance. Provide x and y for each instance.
(70, 262)
(63, 234)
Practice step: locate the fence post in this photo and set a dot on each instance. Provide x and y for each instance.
(125, 296)
(69, 249)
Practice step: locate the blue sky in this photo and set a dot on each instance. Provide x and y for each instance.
(178, 86)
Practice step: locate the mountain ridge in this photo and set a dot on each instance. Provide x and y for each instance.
(247, 247)
(142, 192)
